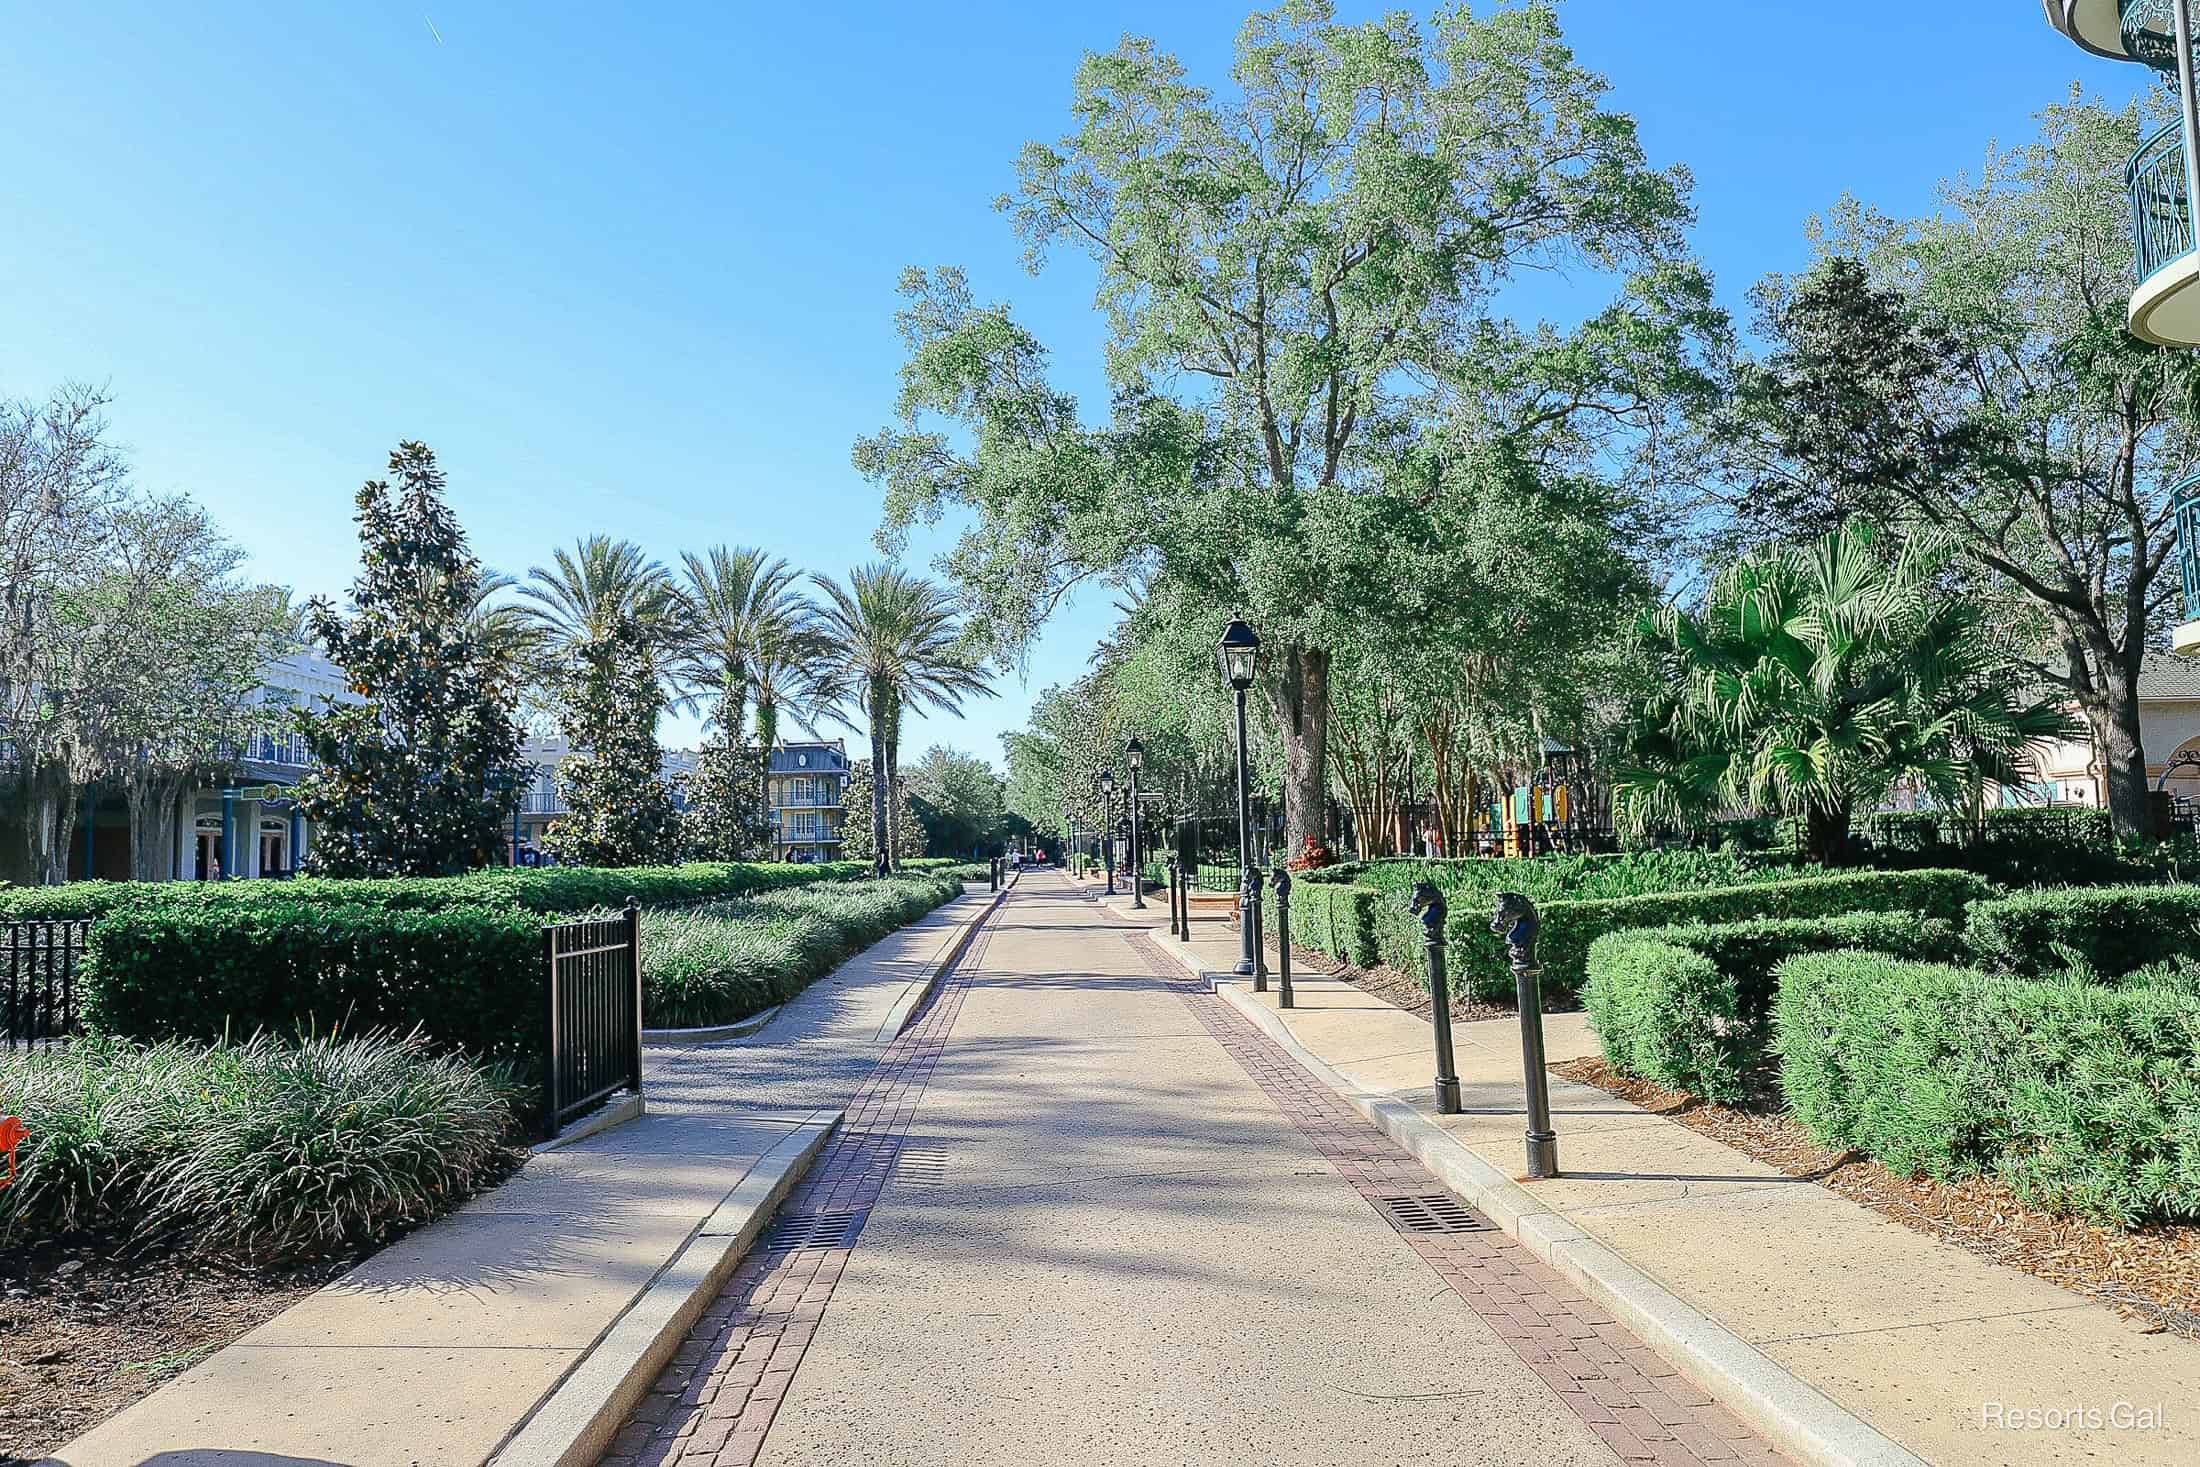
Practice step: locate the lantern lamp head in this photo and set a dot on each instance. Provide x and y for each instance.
(1239, 648)
(1135, 753)
(1107, 781)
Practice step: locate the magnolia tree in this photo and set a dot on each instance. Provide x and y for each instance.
(724, 817)
(419, 777)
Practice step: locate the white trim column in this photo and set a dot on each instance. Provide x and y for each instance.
(184, 867)
(248, 836)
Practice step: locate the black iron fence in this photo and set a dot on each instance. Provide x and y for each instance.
(41, 962)
(595, 1028)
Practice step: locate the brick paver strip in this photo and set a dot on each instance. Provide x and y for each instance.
(714, 1403)
(1641, 1407)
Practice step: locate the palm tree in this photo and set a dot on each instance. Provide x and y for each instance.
(743, 610)
(603, 587)
(897, 641)
(1816, 678)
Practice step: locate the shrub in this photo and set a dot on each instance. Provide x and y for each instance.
(2083, 1099)
(1570, 927)
(1690, 1006)
(470, 977)
(1639, 873)
(542, 889)
(1666, 1013)
(2114, 929)
(1338, 918)
(721, 963)
(262, 1150)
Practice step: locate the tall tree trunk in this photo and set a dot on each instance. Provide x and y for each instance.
(1301, 700)
(2112, 714)
(1827, 833)
(50, 823)
(881, 711)
(893, 794)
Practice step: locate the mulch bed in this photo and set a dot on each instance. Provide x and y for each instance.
(85, 1330)
(2150, 1276)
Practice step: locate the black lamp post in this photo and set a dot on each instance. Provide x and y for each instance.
(1135, 755)
(1239, 651)
(1107, 825)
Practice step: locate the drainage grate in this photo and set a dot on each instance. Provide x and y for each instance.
(921, 1166)
(835, 1229)
(1430, 1212)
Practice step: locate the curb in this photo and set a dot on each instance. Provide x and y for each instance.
(904, 1012)
(1791, 1414)
(573, 1425)
(628, 1107)
(711, 1034)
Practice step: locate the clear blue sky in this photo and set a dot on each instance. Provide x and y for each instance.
(630, 269)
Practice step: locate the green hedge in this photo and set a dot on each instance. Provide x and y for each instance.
(1690, 1007)
(1581, 878)
(541, 889)
(2113, 928)
(720, 963)
(2083, 1099)
(470, 977)
(1477, 957)
(1338, 918)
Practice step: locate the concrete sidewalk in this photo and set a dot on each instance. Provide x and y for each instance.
(1922, 1340)
(433, 1352)
(1086, 1212)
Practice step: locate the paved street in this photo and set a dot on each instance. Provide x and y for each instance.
(1081, 1208)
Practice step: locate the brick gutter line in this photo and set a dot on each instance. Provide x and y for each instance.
(576, 1422)
(1791, 1414)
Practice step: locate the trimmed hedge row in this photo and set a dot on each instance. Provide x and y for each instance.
(2083, 1099)
(470, 977)
(2115, 929)
(1338, 918)
(1571, 927)
(1690, 1007)
(1581, 878)
(540, 889)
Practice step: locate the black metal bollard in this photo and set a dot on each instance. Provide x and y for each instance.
(1518, 922)
(1171, 868)
(1249, 918)
(1282, 880)
(1428, 905)
(1184, 878)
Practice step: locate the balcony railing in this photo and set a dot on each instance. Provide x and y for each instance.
(287, 749)
(2187, 502)
(2161, 221)
(542, 802)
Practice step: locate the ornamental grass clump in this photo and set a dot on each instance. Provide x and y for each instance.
(264, 1151)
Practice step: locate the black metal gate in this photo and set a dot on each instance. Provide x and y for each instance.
(40, 963)
(595, 1033)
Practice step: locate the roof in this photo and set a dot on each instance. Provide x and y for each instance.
(810, 758)
(2166, 677)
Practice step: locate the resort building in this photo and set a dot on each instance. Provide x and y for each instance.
(542, 803)
(2169, 730)
(806, 787)
(242, 827)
